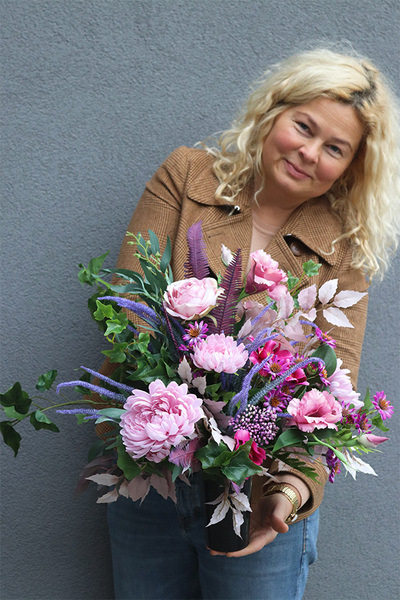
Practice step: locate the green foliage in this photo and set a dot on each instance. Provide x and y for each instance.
(327, 354)
(311, 268)
(11, 437)
(40, 421)
(126, 463)
(234, 465)
(16, 397)
(46, 381)
(90, 274)
(292, 280)
(289, 437)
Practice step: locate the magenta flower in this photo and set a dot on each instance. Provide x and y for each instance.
(264, 273)
(156, 420)
(195, 332)
(315, 410)
(256, 454)
(191, 298)
(383, 405)
(333, 464)
(220, 353)
(325, 338)
(362, 423)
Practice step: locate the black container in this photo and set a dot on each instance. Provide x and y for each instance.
(221, 536)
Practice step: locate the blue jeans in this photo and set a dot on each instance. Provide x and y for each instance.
(159, 553)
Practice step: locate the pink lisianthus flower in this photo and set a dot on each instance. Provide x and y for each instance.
(264, 273)
(219, 353)
(191, 298)
(341, 387)
(256, 454)
(315, 410)
(156, 420)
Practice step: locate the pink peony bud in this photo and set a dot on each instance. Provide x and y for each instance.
(191, 298)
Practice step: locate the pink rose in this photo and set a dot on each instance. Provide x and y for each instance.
(156, 420)
(191, 298)
(264, 274)
(220, 353)
(315, 410)
(256, 454)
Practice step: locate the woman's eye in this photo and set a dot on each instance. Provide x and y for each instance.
(303, 126)
(335, 149)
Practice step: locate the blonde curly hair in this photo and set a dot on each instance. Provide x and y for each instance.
(367, 195)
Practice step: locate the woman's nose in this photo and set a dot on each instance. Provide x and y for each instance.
(310, 151)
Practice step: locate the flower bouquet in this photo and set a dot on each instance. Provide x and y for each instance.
(207, 379)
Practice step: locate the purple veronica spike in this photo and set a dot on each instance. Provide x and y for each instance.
(274, 384)
(94, 388)
(244, 392)
(134, 331)
(260, 340)
(261, 313)
(144, 312)
(171, 333)
(117, 384)
(91, 413)
(197, 262)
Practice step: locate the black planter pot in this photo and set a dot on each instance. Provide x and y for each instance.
(221, 536)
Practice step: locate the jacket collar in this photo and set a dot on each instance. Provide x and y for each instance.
(313, 223)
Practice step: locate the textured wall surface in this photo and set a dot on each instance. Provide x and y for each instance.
(96, 94)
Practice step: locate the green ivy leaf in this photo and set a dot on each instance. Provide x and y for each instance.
(117, 324)
(41, 421)
(12, 414)
(104, 311)
(292, 280)
(117, 354)
(15, 396)
(46, 381)
(311, 268)
(10, 436)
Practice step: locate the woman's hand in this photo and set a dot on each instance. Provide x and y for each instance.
(268, 517)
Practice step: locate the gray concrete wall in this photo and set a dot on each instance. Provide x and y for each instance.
(96, 94)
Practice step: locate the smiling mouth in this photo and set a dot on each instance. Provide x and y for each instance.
(296, 171)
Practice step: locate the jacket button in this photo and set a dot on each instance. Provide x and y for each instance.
(296, 248)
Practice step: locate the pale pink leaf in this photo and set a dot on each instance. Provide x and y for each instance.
(307, 297)
(347, 298)
(238, 520)
(107, 498)
(336, 317)
(123, 489)
(104, 479)
(245, 329)
(286, 306)
(138, 488)
(311, 315)
(220, 512)
(241, 501)
(160, 484)
(184, 370)
(327, 291)
(200, 383)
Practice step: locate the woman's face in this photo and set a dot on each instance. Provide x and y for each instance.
(308, 148)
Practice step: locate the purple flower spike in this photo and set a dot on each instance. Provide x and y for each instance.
(94, 388)
(117, 384)
(244, 392)
(144, 312)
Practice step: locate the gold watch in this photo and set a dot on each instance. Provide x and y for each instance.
(290, 494)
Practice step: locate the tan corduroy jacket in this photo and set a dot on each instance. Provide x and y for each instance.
(182, 192)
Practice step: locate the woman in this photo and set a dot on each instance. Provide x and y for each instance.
(308, 171)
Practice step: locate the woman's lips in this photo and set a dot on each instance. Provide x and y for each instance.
(295, 171)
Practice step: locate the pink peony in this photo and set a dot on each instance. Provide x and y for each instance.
(219, 353)
(264, 274)
(191, 298)
(156, 420)
(315, 410)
